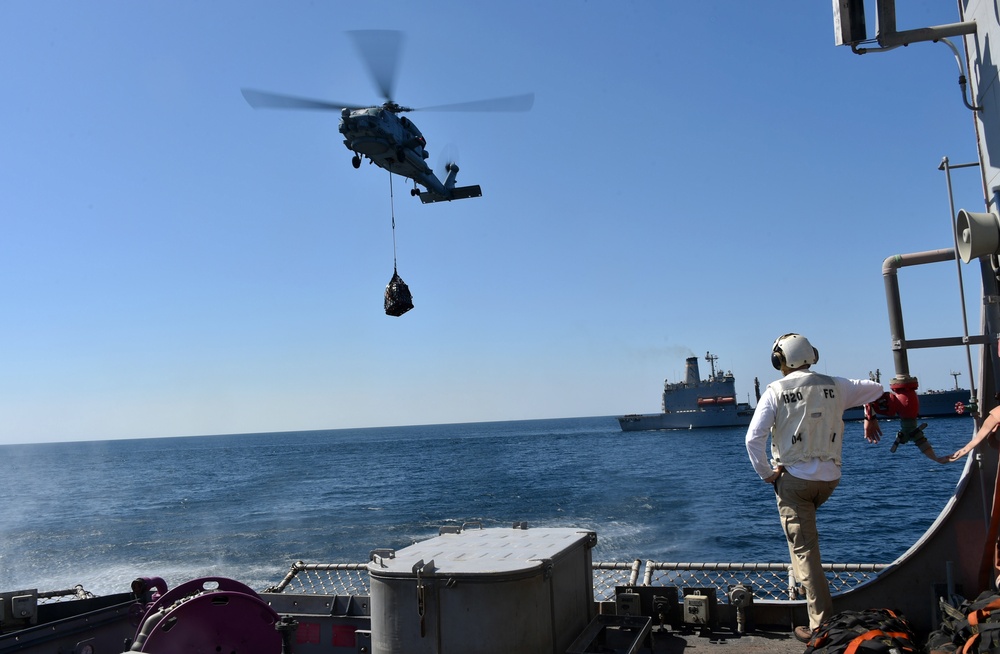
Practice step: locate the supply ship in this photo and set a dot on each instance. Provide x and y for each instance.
(711, 403)
(695, 403)
(537, 590)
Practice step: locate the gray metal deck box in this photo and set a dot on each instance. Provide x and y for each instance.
(484, 591)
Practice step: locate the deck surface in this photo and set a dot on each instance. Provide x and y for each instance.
(762, 642)
(667, 641)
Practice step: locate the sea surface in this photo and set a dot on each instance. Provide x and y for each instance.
(247, 506)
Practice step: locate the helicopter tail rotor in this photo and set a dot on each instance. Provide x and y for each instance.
(452, 170)
(447, 158)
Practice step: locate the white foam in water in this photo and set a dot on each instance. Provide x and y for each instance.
(118, 579)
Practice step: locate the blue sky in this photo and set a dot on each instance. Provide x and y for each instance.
(693, 177)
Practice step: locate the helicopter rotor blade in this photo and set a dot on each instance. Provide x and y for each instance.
(521, 102)
(380, 50)
(268, 100)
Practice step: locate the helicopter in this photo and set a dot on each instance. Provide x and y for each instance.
(380, 133)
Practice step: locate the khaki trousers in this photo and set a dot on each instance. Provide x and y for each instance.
(798, 500)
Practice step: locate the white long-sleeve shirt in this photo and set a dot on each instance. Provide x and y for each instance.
(851, 392)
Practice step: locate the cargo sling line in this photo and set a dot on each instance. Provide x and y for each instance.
(398, 299)
(392, 217)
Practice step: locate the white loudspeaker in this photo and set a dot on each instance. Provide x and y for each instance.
(978, 234)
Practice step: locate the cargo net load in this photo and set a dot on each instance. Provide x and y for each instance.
(398, 299)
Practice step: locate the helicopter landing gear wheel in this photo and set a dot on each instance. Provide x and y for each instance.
(414, 191)
(356, 161)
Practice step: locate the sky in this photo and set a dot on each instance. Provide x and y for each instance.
(693, 177)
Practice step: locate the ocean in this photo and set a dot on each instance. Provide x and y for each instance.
(247, 506)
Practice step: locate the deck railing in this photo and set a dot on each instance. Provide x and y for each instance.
(769, 581)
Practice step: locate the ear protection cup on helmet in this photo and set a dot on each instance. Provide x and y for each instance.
(777, 358)
(793, 351)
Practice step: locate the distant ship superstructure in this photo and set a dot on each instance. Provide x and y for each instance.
(695, 403)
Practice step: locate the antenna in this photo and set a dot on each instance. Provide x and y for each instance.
(955, 375)
(711, 358)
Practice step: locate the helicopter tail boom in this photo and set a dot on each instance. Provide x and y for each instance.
(459, 193)
(438, 192)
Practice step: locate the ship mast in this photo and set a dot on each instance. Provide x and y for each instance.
(711, 358)
(955, 375)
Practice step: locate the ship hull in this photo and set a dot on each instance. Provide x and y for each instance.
(943, 404)
(694, 419)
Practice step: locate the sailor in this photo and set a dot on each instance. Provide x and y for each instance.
(803, 413)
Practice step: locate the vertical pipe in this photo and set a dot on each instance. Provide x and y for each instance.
(894, 305)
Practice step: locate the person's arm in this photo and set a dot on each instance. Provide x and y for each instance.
(859, 392)
(757, 434)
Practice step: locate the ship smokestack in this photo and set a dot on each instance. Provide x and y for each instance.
(693, 376)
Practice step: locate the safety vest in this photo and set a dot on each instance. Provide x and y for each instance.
(809, 420)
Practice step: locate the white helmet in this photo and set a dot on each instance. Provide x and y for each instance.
(793, 351)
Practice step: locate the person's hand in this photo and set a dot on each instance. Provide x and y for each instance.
(773, 478)
(873, 432)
